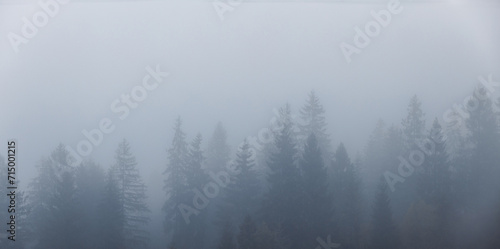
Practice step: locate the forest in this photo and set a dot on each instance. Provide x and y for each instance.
(425, 183)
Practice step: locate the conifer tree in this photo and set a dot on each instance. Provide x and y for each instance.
(54, 208)
(176, 187)
(90, 181)
(279, 206)
(413, 124)
(313, 121)
(242, 195)
(132, 195)
(483, 138)
(218, 150)
(196, 178)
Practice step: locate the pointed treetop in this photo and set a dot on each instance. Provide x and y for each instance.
(312, 114)
(414, 123)
(179, 144)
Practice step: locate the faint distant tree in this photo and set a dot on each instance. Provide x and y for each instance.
(218, 150)
(90, 180)
(375, 153)
(413, 124)
(374, 161)
(454, 133)
(176, 188)
(314, 122)
(435, 186)
(196, 178)
(483, 137)
(132, 193)
(279, 206)
(242, 195)
(433, 182)
(384, 234)
(55, 213)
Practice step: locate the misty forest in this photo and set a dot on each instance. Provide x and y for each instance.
(421, 183)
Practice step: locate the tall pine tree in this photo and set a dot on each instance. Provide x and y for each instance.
(176, 187)
(242, 195)
(55, 211)
(279, 207)
(413, 124)
(218, 150)
(313, 121)
(132, 195)
(196, 178)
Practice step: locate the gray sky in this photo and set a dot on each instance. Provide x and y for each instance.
(235, 70)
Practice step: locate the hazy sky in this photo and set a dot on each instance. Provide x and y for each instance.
(235, 70)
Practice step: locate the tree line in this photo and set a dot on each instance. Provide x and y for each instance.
(414, 185)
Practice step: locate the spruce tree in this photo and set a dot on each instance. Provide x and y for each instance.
(375, 153)
(313, 121)
(437, 186)
(242, 195)
(55, 213)
(90, 181)
(132, 195)
(196, 178)
(279, 207)
(483, 138)
(218, 150)
(434, 182)
(176, 187)
(413, 124)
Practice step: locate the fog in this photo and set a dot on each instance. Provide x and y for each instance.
(238, 63)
